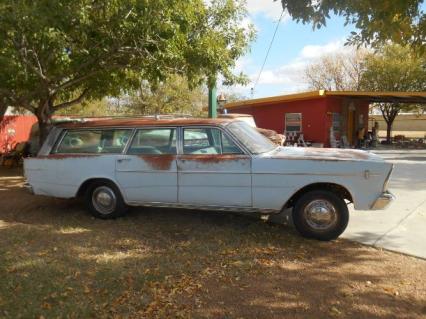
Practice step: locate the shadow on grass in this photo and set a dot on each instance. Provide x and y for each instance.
(56, 260)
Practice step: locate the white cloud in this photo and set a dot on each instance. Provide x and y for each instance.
(292, 73)
(269, 8)
(315, 51)
(289, 76)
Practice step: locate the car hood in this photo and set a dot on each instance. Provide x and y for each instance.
(330, 154)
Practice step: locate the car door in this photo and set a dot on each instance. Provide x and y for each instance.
(212, 169)
(147, 173)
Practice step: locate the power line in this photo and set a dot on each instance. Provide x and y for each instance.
(267, 52)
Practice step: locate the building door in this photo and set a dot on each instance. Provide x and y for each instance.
(351, 125)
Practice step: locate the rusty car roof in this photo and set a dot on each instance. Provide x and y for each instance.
(136, 122)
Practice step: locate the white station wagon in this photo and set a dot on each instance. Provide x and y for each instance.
(214, 164)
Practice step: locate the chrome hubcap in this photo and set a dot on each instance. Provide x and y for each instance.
(104, 200)
(320, 214)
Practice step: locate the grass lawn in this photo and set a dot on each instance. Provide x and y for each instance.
(57, 261)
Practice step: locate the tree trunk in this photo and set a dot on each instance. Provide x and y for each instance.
(43, 127)
(389, 112)
(3, 109)
(388, 132)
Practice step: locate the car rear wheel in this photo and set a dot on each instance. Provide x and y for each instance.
(104, 200)
(321, 215)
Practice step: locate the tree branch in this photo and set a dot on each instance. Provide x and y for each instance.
(70, 103)
(75, 81)
(40, 68)
(21, 48)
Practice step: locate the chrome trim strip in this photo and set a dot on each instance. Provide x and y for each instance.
(213, 172)
(129, 142)
(385, 184)
(146, 171)
(205, 207)
(316, 174)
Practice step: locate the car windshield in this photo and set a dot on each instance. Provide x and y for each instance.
(251, 138)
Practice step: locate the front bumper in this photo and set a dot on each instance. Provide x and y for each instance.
(383, 201)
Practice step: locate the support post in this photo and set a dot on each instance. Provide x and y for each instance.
(212, 102)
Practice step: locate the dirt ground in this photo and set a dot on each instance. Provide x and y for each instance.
(58, 261)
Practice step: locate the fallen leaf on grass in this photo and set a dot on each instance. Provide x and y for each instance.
(46, 305)
(335, 311)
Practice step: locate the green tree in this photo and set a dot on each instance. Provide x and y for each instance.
(394, 68)
(95, 107)
(401, 21)
(3, 108)
(55, 54)
(173, 95)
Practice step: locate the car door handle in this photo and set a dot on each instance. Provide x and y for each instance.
(121, 160)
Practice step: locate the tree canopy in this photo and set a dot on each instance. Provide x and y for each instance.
(54, 54)
(400, 21)
(340, 71)
(173, 95)
(394, 68)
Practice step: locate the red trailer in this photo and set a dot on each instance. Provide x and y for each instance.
(14, 129)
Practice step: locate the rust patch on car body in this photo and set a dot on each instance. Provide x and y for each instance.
(144, 122)
(213, 158)
(64, 156)
(159, 162)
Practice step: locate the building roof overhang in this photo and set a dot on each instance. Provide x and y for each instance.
(371, 97)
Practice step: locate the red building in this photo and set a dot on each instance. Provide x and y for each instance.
(14, 129)
(315, 114)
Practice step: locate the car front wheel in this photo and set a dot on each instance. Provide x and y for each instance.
(321, 215)
(104, 200)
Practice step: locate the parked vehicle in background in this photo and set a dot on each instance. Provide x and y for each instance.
(220, 164)
(275, 137)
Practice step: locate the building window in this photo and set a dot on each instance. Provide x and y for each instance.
(336, 122)
(293, 122)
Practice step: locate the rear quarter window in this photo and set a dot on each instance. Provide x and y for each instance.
(93, 141)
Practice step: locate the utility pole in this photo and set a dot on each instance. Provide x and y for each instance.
(212, 102)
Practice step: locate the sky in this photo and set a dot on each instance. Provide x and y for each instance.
(295, 46)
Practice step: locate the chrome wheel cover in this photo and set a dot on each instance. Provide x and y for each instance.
(320, 214)
(104, 200)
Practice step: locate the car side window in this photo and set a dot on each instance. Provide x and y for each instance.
(208, 141)
(153, 141)
(93, 141)
(228, 145)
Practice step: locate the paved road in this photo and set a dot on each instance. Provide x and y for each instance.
(402, 227)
